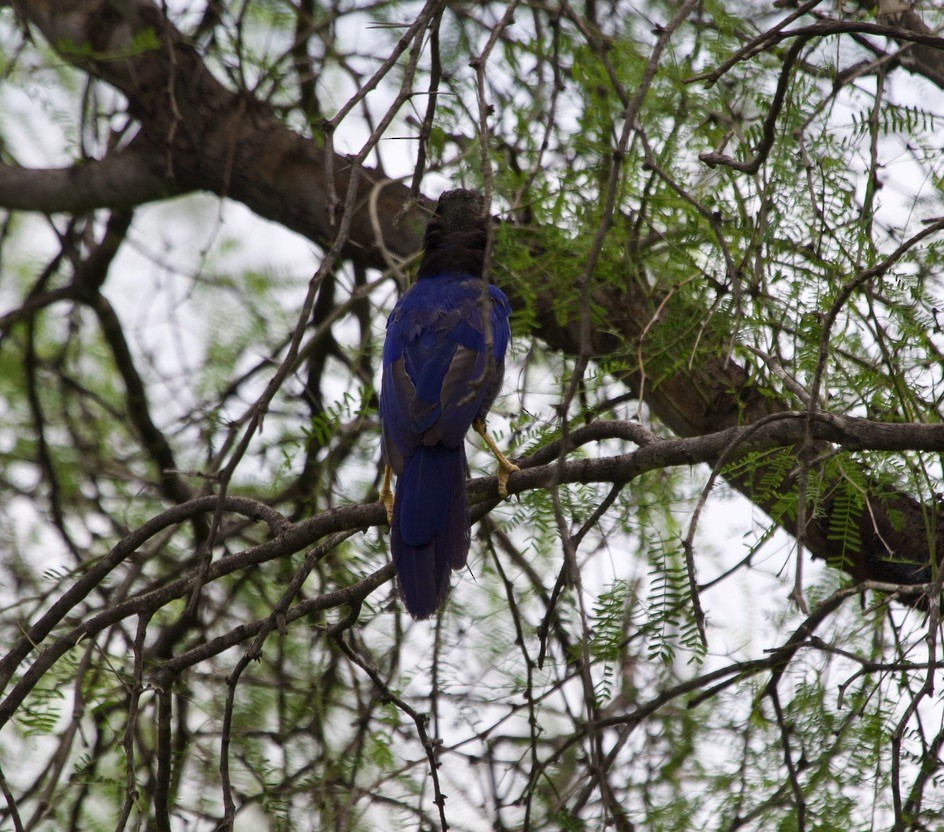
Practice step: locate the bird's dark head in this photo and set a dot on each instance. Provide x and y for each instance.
(456, 235)
(459, 210)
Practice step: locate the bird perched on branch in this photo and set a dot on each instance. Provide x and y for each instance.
(443, 363)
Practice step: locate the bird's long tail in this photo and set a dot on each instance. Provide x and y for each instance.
(430, 529)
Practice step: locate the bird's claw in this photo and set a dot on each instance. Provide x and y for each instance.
(505, 466)
(386, 495)
(505, 469)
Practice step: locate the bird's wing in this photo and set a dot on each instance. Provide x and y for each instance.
(437, 374)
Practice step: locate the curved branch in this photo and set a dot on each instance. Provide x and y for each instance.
(786, 431)
(917, 56)
(210, 138)
(921, 36)
(119, 553)
(769, 133)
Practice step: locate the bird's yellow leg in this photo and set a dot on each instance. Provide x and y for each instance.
(386, 495)
(505, 467)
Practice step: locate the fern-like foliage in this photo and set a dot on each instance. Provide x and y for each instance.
(670, 624)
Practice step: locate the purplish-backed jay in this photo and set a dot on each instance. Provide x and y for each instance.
(443, 363)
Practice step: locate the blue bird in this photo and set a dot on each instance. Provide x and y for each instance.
(443, 364)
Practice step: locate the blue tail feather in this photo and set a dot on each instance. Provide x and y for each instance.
(430, 529)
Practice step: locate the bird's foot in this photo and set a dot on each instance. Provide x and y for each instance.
(386, 495)
(505, 469)
(505, 466)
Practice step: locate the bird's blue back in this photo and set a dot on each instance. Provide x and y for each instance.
(438, 326)
(439, 376)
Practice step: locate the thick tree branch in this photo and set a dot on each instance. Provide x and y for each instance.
(213, 139)
(919, 56)
(123, 180)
